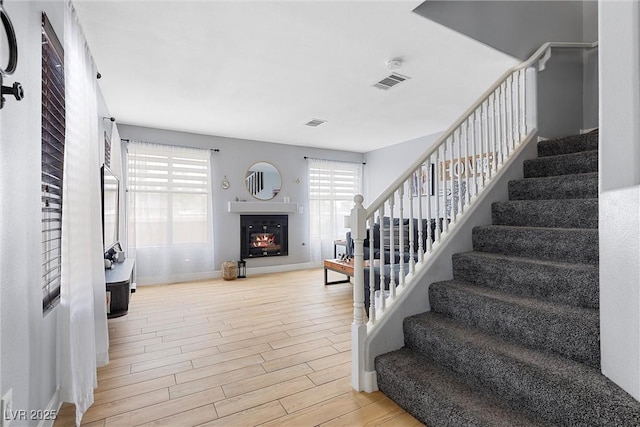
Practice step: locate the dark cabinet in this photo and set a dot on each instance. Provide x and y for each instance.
(119, 280)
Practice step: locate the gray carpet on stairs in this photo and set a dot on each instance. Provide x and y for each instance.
(513, 339)
(578, 186)
(554, 244)
(567, 330)
(562, 164)
(562, 282)
(565, 213)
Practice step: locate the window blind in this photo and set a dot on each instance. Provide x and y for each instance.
(53, 138)
(169, 194)
(332, 186)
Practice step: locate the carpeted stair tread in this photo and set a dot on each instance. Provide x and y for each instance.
(562, 164)
(544, 385)
(562, 282)
(578, 245)
(567, 330)
(573, 213)
(577, 186)
(439, 397)
(569, 144)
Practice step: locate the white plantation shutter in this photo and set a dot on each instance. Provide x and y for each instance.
(169, 212)
(332, 186)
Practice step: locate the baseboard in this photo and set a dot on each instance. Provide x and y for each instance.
(587, 130)
(281, 268)
(53, 407)
(196, 277)
(178, 278)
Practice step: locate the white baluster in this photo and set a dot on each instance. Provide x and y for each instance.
(523, 116)
(412, 244)
(444, 187)
(505, 120)
(509, 113)
(432, 182)
(392, 246)
(496, 135)
(421, 248)
(485, 144)
(499, 135)
(381, 263)
(515, 134)
(458, 148)
(401, 239)
(452, 187)
(467, 162)
(372, 275)
(477, 132)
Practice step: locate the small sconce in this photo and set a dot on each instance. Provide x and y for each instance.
(242, 269)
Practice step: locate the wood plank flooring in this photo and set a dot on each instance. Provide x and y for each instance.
(269, 350)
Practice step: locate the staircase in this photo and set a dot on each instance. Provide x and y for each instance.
(513, 339)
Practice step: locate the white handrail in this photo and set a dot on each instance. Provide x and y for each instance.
(442, 183)
(537, 56)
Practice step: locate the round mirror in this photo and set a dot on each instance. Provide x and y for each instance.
(263, 181)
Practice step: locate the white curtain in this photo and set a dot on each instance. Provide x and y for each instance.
(82, 317)
(332, 186)
(117, 169)
(169, 212)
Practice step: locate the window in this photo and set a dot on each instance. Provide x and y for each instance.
(332, 186)
(53, 138)
(169, 212)
(169, 194)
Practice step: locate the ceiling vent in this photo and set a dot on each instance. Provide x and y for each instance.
(390, 81)
(315, 123)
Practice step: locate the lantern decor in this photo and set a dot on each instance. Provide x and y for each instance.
(242, 269)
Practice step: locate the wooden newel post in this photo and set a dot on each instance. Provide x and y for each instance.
(358, 327)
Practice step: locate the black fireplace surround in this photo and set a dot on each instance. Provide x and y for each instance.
(264, 236)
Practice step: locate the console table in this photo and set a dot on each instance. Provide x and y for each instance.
(119, 279)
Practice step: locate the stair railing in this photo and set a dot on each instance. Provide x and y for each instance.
(411, 219)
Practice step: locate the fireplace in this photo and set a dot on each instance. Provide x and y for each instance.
(263, 236)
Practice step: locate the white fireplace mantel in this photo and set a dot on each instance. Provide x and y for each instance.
(263, 207)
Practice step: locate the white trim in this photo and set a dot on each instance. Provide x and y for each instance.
(263, 207)
(54, 405)
(587, 130)
(282, 268)
(194, 277)
(178, 278)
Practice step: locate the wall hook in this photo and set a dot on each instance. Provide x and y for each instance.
(16, 89)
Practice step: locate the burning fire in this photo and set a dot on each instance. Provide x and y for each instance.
(263, 240)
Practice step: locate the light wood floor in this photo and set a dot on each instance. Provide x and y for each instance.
(271, 350)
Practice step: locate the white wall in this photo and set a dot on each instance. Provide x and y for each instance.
(386, 164)
(619, 56)
(496, 22)
(233, 160)
(566, 104)
(28, 351)
(28, 339)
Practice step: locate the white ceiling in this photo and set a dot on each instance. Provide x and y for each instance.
(261, 69)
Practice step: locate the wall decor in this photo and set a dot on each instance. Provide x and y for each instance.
(224, 184)
(263, 180)
(424, 179)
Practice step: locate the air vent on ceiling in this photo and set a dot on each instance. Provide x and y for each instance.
(315, 122)
(390, 81)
